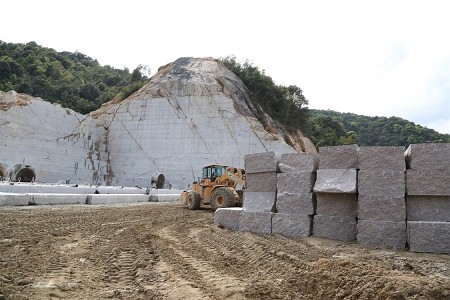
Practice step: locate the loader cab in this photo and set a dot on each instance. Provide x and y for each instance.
(211, 172)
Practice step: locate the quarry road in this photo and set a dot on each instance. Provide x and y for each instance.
(164, 251)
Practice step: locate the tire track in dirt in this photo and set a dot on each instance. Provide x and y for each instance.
(168, 252)
(221, 284)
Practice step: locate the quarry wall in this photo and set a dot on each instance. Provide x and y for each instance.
(376, 196)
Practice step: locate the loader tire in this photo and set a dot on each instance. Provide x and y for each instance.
(222, 197)
(193, 200)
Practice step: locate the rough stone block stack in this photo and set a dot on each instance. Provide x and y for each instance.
(336, 193)
(295, 199)
(428, 197)
(381, 199)
(260, 192)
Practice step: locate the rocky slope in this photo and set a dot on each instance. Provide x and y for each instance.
(192, 112)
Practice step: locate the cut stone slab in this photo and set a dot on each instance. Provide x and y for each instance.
(58, 199)
(429, 156)
(295, 162)
(295, 183)
(291, 225)
(334, 227)
(301, 204)
(339, 157)
(228, 217)
(14, 199)
(382, 158)
(32, 188)
(260, 162)
(164, 197)
(432, 237)
(257, 222)
(259, 201)
(336, 181)
(382, 234)
(343, 205)
(428, 208)
(98, 199)
(381, 208)
(382, 183)
(261, 182)
(435, 182)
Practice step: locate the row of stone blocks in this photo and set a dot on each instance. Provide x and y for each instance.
(10, 199)
(360, 196)
(428, 197)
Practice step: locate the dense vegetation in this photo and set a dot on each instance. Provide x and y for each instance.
(73, 80)
(286, 105)
(328, 128)
(77, 81)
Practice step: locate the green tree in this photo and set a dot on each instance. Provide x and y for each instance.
(73, 80)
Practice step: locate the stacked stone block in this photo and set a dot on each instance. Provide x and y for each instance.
(336, 190)
(381, 200)
(295, 200)
(260, 192)
(428, 197)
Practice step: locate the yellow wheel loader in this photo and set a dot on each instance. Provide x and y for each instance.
(220, 186)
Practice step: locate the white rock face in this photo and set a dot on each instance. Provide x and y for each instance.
(193, 112)
(59, 143)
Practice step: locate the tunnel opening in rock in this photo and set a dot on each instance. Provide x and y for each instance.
(2, 171)
(22, 173)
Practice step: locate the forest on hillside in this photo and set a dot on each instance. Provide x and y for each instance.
(79, 82)
(73, 80)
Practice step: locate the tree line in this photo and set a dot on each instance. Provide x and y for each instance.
(73, 80)
(79, 82)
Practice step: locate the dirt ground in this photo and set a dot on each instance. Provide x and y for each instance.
(164, 251)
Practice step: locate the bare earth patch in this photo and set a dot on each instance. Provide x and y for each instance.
(164, 251)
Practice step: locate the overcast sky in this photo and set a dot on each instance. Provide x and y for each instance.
(375, 58)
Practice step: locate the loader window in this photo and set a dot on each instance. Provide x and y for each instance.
(212, 172)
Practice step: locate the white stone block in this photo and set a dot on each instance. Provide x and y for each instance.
(295, 162)
(260, 162)
(428, 157)
(334, 227)
(98, 199)
(343, 205)
(428, 208)
(261, 182)
(259, 201)
(295, 183)
(386, 234)
(381, 208)
(14, 199)
(382, 158)
(301, 204)
(228, 217)
(257, 222)
(381, 183)
(433, 182)
(339, 157)
(336, 181)
(291, 225)
(58, 199)
(432, 237)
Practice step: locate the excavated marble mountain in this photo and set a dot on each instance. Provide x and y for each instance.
(193, 112)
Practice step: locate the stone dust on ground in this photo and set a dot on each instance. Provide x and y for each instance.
(164, 251)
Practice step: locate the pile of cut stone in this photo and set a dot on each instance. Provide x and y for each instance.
(371, 195)
(428, 197)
